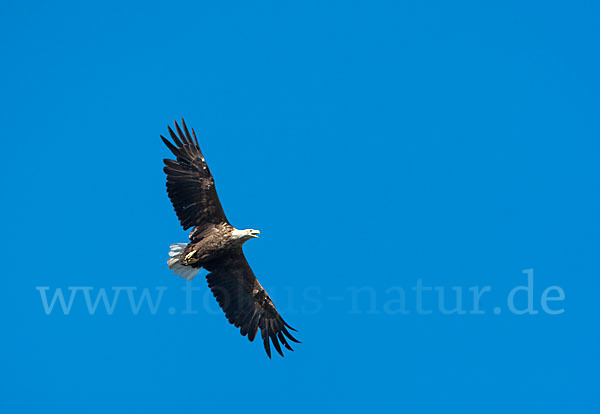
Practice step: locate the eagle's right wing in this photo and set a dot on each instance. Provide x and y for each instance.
(190, 184)
(245, 303)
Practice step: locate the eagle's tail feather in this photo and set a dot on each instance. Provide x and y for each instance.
(175, 264)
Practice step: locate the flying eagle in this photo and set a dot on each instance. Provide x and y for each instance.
(216, 245)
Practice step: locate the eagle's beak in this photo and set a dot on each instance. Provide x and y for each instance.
(255, 233)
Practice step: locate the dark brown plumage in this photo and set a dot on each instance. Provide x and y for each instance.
(216, 245)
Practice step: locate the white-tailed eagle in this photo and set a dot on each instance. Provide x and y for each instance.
(216, 245)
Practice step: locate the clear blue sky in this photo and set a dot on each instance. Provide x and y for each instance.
(378, 146)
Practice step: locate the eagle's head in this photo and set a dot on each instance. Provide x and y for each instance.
(244, 235)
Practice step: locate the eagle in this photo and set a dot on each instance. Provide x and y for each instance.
(216, 245)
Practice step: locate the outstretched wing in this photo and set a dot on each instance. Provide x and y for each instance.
(190, 184)
(245, 303)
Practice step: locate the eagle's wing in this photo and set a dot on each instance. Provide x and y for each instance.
(245, 303)
(190, 184)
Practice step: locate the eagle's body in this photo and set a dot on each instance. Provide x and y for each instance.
(216, 245)
(209, 244)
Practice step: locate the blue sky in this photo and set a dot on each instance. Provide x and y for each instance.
(378, 146)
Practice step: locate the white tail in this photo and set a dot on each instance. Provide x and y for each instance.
(180, 269)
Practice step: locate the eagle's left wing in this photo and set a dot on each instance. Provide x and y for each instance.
(245, 303)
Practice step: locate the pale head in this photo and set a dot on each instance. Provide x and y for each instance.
(244, 235)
